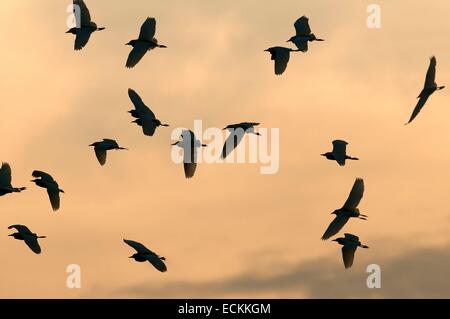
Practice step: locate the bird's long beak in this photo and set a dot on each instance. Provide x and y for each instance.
(204, 145)
(131, 257)
(173, 144)
(334, 240)
(11, 235)
(322, 154)
(62, 191)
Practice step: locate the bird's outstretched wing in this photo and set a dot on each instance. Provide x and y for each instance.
(355, 195)
(136, 55)
(85, 16)
(43, 175)
(139, 105)
(5, 175)
(431, 74)
(137, 246)
(232, 142)
(22, 229)
(420, 104)
(53, 195)
(82, 38)
(32, 242)
(348, 254)
(302, 26)
(340, 151)
(101, 154)
(301, 44)
(281, 58)
(148, 30)
(189, 169)
(156, 262)
(335, 226)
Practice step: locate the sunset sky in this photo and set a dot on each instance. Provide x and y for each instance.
(230, 231)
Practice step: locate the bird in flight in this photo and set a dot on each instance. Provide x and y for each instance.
(144, 43)
(144, 254)
(5, 181)
(30, 238)
(189, 144)
(303, 34)
(339, 153)
(281, 57)
(347, 211)
(429, 88)
(349, 245)
(85, 27)
(143, 115)
(237, 132)
(45, 180)
(102, 147)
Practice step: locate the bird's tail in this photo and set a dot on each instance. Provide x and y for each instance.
(353, 158)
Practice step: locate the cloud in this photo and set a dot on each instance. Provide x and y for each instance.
(420, 273)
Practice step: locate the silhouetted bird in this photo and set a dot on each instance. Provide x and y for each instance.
(85, 28)
(31, 239)
(349, 245)
(281, 57)
(45, 180)
(102, 147)
(303, 34)
(5, 181)
(144, 116)
(237, 132)
(144, 254)
(189, 144)
(339, 153)
(144, 43)
(429, 87)
(347, 211)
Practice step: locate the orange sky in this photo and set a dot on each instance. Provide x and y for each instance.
(230, 231)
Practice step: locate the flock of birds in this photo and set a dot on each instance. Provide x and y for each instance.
(145, 118)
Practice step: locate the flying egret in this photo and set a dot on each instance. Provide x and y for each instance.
(281, 57)
(45, 180)
(30, 238)
(144, 254)
(429, 88)
(189, 144)
(237, 132)
(349, 245)
(339, 153)
(102, 147)
(5, 181)
(348, 210)
(303, 34)
(85, 28)
(144, 43)
(144, 116)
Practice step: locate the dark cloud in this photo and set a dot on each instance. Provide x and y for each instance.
(421, 273)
